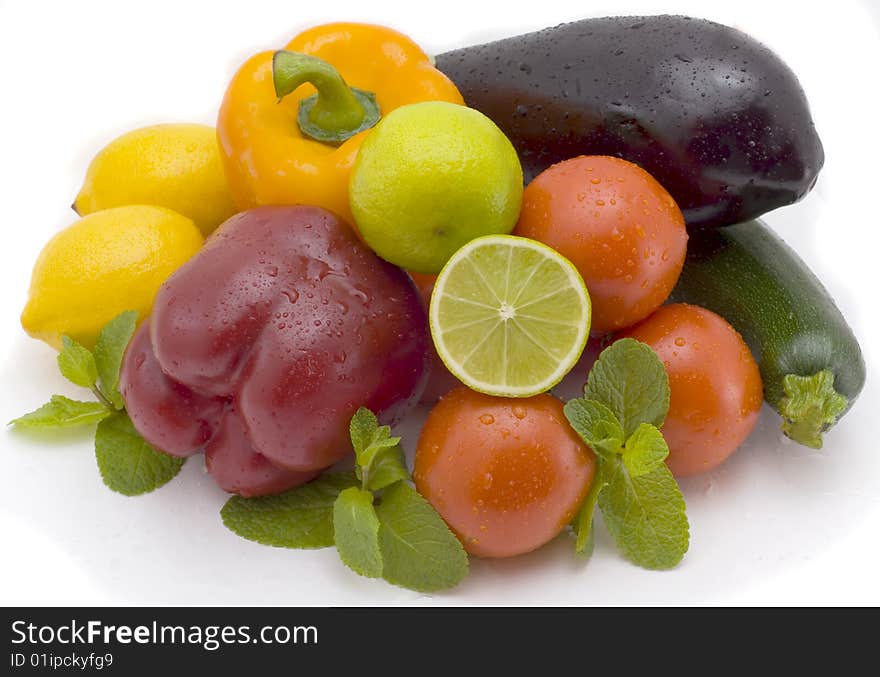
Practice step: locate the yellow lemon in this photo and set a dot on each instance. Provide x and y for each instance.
(105, 263)
(176, 166)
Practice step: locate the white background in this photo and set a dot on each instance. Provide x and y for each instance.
(778, 524)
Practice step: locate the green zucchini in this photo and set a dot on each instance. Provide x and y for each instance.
(810, 360)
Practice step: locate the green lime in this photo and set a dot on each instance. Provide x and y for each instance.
(509, 316)
(431, 177)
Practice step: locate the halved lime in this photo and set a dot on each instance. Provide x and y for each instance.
(509, 316)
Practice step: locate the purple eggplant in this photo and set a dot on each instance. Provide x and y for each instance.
(716, 117)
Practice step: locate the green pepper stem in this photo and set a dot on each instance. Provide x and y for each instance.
(337, 112)
(810, 407)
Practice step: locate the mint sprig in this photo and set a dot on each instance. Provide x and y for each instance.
(378, 456)
(299, 518)
(77, 364)
(380, 525)
(625, 402)
(583, 521)
(128, 465)
(646, 516)
(356, 526)
(418, 550)
(109, 350)
(644, 450)
(62, 412)
(631, 381)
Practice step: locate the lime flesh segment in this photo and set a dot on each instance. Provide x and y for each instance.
(509, 316)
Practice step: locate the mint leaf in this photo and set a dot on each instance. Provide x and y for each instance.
(418, 549)
(387, 467)
(362, 428)
(596, 424)
(379, 457)
(599, 428)
(583, 521)
(402, 539)
(356, 529)
(625, 401)
(631, 381)
(128, 464)
(368, 437)
(645, 515)
(299, 518)
(644, 450)
(109, 349)
(62, 412)
(77, 364)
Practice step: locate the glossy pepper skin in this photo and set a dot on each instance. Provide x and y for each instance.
(263, 345)
(267, 158)
(716, 117)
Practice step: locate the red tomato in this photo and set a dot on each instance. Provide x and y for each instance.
(617, 225)
(507, 475)
(716, 389)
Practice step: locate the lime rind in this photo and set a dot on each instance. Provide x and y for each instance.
(509, 316)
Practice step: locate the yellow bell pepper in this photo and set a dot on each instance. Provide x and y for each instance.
(292, 121)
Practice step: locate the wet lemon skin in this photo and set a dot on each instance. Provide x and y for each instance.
(105, 263)
(171, 165)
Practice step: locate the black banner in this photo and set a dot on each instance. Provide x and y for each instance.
(132, 641)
